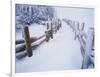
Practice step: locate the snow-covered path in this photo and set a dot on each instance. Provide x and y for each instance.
(60, 53)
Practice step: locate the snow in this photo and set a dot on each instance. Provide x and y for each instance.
(35, 30)
(60, 53)
(78, 14)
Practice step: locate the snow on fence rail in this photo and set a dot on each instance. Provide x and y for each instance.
(83, 39)
(21, 45)
(30, 43)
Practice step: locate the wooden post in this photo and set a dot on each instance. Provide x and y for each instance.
(47, 26)
(47, 36)
(27, 41)
(83, 24)
(51, 31)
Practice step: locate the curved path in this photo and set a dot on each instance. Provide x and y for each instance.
(60, 53)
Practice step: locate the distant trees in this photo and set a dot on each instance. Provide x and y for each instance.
(28, 14)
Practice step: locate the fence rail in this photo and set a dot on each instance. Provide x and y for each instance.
(31, 43)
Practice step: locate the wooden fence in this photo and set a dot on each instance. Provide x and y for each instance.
(29, 43)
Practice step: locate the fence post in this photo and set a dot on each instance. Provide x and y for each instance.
(47, 26)
(27, 41)
(51, 33)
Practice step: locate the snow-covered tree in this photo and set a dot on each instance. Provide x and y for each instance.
(28, 14)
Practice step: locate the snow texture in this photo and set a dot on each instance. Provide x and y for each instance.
(62, 52)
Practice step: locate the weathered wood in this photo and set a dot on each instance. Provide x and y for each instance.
(89, 54)
(51, 32)
(47, 36)
(23, 41)
(19, 41)
(32, 43)
(22, 47)
(27, 41)
(35, 45)
(47, 26)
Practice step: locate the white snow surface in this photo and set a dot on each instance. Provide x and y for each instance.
(60, 53)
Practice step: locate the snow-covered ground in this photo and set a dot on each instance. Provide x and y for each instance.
(35, 30)
(60, 53)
